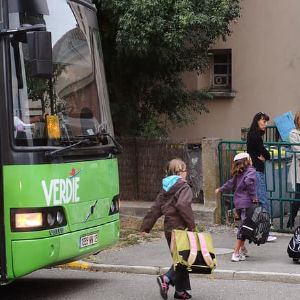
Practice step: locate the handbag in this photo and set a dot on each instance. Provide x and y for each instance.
(193, 251)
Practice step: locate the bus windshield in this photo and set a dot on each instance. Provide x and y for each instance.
(76, 93)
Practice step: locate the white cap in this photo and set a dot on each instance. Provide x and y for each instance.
(241, 156)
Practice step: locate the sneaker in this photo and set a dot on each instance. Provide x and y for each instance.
(271, 238)
(242, 257)
(163, 286)
(184, 295)
(237, 257)
(244, 252)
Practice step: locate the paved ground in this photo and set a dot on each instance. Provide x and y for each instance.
(270, 257)
(78, 285)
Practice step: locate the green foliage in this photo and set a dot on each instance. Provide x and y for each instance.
(147, 45)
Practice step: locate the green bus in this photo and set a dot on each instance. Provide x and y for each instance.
(59, 184)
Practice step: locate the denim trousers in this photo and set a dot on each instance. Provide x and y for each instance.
(295, 204)
(261, 191)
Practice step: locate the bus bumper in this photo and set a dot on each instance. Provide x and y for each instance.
(31, 255)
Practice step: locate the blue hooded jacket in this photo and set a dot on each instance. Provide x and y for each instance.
(174, 202)
(169, 182)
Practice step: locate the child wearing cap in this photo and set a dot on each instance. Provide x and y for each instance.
(243, 182)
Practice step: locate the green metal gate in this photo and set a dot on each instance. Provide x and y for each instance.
(280, 192)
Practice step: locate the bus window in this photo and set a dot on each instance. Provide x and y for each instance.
(76, 86)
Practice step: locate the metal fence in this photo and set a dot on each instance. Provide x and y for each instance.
(279, 187)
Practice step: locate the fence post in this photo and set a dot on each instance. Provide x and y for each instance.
(211, 176)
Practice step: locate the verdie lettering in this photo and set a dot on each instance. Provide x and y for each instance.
(61, 191)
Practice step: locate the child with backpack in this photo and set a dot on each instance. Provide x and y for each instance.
(243, 182)
(174, 202)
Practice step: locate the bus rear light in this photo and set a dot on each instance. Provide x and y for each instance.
(29, 220)
(34, 219)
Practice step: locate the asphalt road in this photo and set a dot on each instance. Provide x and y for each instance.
(77, 285)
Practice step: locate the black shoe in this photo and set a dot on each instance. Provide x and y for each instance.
(184, 295)
(163, 287)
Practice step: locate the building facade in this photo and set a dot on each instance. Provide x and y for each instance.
(256, 69)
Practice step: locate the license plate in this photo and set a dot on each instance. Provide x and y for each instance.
(88, 240)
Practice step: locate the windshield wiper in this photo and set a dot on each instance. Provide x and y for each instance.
(55, 153)
(99, 138)
(103, 132)
(118, 148)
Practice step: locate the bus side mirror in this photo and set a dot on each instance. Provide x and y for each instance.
(40, 53)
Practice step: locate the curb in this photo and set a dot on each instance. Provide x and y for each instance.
(217, 274)
(76, 265)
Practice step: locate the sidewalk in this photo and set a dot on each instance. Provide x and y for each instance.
(268, 262)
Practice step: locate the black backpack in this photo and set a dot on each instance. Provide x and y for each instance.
(293, 249)
(256, 226)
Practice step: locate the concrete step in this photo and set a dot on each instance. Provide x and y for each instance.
(203, 214)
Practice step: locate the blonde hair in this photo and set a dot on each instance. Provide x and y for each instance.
(175, 166)
(297, 116)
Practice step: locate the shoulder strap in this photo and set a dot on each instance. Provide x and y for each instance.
(193, 248)
(205, 253)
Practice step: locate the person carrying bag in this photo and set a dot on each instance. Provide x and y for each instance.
(174, 201)
(243, 182)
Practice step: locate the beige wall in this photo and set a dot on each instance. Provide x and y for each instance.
(265, 47)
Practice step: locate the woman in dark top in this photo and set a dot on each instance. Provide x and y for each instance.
(259, 154)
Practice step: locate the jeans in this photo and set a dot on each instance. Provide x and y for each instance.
(261, 191)
(294, 207)
(180, 278)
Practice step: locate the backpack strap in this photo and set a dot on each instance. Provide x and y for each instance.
(193, 248)
(205, 253)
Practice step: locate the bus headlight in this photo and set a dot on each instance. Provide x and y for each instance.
(115, 205)
(50, 219)
(59, 217)
(28, 220)
(112, 207)
(34, 219)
